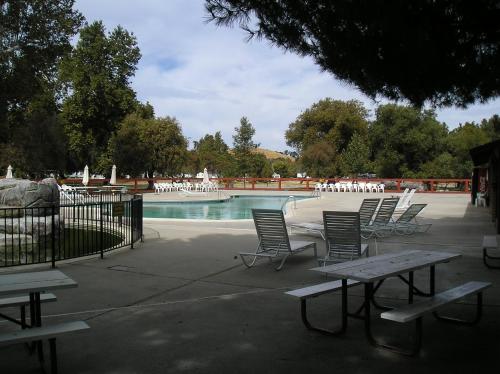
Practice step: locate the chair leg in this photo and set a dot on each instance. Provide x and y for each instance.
(248, 265)
(282, 263)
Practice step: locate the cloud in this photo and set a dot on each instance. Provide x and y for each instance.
(209, 77)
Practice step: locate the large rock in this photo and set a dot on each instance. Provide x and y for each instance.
(23, 193)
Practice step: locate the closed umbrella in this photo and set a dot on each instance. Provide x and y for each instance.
(205, 176)
(86, 176)
(112, 180)
(9, 173)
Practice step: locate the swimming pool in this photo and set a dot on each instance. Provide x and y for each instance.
(238, 207)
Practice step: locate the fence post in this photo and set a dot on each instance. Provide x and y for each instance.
(53, 237)
(101, 233)
(131, 202)
(398, 186)
(279, 184)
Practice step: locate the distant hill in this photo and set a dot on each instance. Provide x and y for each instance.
(272, 155)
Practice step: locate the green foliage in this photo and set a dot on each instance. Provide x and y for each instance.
(260, 166)
(355, 159)
(129, 154)
(461, 140)
(211, 152)
(332, 120)
(443, 166)
(285, 167)
(34, 36)
(152, 145)
(443, 52)
(243, 145)
(97, 76)
(403, 138)
(320, 160)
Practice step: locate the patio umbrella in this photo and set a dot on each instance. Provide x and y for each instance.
(86, 176)
(9, 173)
(205, 176)
(112, 180)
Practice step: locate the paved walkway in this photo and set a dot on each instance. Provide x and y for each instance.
(182, 302)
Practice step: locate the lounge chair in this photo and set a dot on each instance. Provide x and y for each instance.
(407, 223)
(184, 192)
(343, 237)
(366, 212)
(405, 201)
(273, 238)
(381, 223)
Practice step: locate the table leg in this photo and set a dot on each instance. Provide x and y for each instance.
(432, 280)
(36, 320)
(368, 328)
(410, 288)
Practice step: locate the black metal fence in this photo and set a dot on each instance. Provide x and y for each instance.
(85, 225)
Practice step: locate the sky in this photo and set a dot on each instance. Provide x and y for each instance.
(209, 77)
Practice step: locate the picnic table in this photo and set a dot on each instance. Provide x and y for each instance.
(33, 283)
(373, 271)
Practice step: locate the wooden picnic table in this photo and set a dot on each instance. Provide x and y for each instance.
(377, 269)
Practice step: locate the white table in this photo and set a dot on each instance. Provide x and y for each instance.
(378, 268)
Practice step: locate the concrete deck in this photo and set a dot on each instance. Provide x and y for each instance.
(182, 302)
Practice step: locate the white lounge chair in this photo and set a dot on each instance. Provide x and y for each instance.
(273, 239)
(405, 201)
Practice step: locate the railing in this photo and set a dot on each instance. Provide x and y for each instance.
(69, 230)
(394, 185)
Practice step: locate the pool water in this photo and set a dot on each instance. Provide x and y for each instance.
(238, 207)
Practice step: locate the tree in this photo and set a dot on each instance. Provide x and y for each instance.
(243, 145)
(443, 166)
(127, 151)
(211, 152)
(320, 160)
(444, 52)
(149, 145)
(285, 167)
(34, 36)
(260, 166)
(403, 138)
(167, 146)
(355, 159)
(491, 127)
(460, 141)
(97, 77)
(328, 120)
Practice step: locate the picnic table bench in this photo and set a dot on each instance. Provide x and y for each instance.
(22, 302)
(49, 332)
(490, 242)
(417, 310)
(314, 291)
